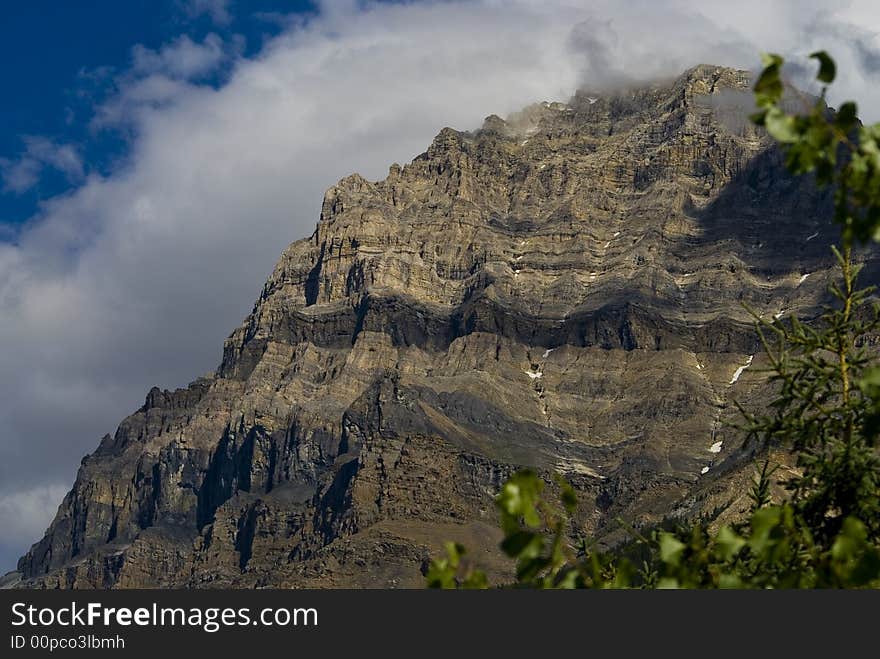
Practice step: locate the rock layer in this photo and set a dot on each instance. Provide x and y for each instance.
(563, 289)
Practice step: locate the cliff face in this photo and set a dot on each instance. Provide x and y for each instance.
(563, 289)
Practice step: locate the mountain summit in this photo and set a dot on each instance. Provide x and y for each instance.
(562, 289)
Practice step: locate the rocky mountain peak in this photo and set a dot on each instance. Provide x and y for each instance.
(561, 289)
(710, 79)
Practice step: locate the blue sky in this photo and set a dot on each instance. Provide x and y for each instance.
(66, 54)
(157, 156)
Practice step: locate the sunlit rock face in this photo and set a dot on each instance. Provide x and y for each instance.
(565, 289)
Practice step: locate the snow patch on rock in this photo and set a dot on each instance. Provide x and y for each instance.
(740, 370)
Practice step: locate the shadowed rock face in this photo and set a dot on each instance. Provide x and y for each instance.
(563, 289)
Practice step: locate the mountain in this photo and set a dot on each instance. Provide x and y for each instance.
(563, 289)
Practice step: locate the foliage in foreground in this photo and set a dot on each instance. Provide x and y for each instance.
(827, 411)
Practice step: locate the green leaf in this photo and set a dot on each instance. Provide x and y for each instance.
(568, 496)
(769, 88)
(764, 522)
(781, 126)
(847, 116)
(521, 543)
(476, 580)
(851, 540)
(568, 580)
(671, 549)
(519, 495)
(729, 581)
(441, 574)
(870, 379)
(454, 551)
(528, 570)
(668, 583)
(771, 59)
(827, 67)
(758, 118)
(729, 543)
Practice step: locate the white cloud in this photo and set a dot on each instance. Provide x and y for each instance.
(19, 175)
(217, 10)
(27, 513)
(135, 279)
(23, 173)
(160, 77)
(182, 58)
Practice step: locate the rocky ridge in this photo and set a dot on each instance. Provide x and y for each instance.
(563, 289)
